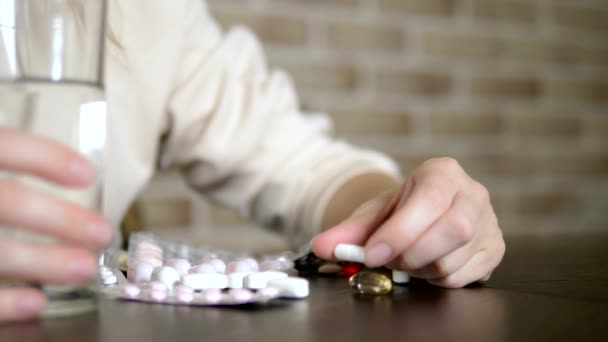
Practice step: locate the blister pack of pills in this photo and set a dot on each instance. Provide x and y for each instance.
(168, 272)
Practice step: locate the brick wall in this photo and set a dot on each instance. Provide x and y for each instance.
(517, 90)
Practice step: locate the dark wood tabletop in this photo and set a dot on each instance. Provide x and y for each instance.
(547, 289)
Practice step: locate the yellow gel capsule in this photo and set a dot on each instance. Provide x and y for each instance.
(371, 283)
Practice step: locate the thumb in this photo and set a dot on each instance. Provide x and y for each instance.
(358, 227)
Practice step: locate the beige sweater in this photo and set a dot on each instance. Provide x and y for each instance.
(182, 94)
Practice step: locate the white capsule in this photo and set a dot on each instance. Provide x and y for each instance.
(348, 252)
(105, 272)
(260, 280)
(235, 280)
(110, 279)
(238, 266)
(181, 265)
(166, 275)
(291, 287)
(200, 281)
(141, 272)
(202, 268)
(400, 277)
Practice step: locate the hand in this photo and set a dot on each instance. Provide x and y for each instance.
(440, 227)
(25, 208)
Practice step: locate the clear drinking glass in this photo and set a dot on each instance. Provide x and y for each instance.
(51, 84)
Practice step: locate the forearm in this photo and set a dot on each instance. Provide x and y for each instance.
(354, 193)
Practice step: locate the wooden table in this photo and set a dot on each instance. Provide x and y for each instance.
(548, 288)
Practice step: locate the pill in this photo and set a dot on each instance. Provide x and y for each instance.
(183, 297)
(109, 279)
(348, 252)
(330, 268)
(372, 283)
(238, 266)
(181, 265)
(142, 272)
(291, 287)
(158, 296)
(400, 277)
(155, 262)
(272, 265)
(105, 272)
(259, 280)
(240, 295)
(202, 268)
(131, 290)
(157, 286)
(252, 263)
(183, 289)
(219, 265)
(235, 280)
(166, 275)
(199, 281)
(268, 292)
(211, 296)
(351, 268)
(292, 272)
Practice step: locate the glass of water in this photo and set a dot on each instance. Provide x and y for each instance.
(51, 85)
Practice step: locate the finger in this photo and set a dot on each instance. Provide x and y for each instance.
(357, 227)
(441, 267)
(45, 263)
(476, 269)
(27, 153)
(451, 231)
(430, 197)
(19, 304)
(23, 207)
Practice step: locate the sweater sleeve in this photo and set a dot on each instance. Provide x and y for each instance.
(240, 138)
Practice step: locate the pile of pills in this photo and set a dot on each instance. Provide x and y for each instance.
(207, 280)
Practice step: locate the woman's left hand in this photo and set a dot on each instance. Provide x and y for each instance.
(440, 226)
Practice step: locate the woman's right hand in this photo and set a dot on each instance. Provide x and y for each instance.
(21, 207)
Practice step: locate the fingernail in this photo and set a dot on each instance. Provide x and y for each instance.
(378, 255)
(99, 232)
(82, 270)
(82, 170)
(31, 305)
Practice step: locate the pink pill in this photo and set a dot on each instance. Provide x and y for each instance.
(268, 292)
(272, 265)
(184, 297)
(158, 286)
(238, 266)
(211, 296)
(183, 289)
(240, 295)
(131, 290)
(202, 268)
(158, 296)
